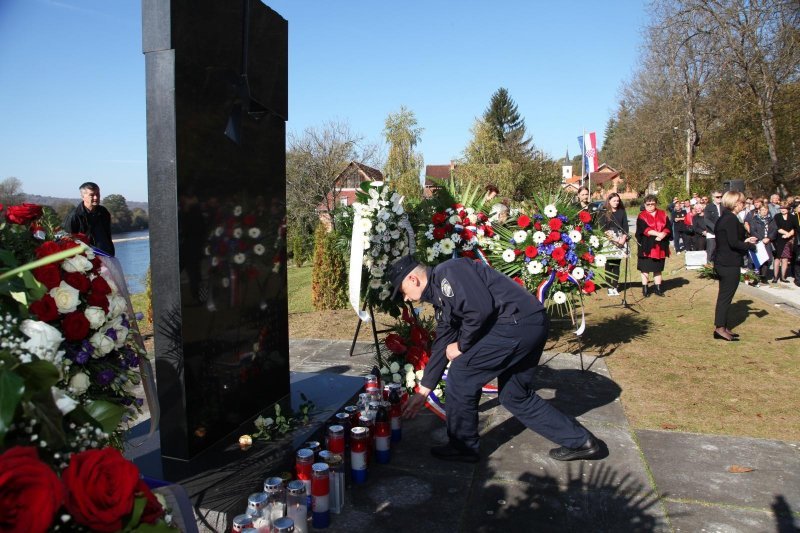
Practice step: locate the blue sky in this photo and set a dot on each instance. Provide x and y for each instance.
(72, 103)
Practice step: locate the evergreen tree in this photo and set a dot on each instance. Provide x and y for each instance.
(403, 166)
(506, 124)
(329, 278)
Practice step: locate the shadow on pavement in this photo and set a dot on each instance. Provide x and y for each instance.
(593, 498)
(574, 393)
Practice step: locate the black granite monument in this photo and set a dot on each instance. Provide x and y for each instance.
(216, 112)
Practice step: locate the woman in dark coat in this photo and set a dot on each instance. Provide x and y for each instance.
(784, 244)
(732, 243)
(614, 222)
(764, 229)
(652, 232)
(699, 227)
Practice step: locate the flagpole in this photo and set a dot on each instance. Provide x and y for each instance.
(583, 158)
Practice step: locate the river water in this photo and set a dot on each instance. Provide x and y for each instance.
(133, 251)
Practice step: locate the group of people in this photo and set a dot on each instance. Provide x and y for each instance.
(736, 232)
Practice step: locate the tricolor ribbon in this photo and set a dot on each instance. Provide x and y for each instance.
(545, 286)
(435, 404)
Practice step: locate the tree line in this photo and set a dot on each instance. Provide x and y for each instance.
(499, 153)
(123, 218)
(715, 97)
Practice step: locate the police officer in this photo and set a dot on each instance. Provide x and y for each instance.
(489, 327)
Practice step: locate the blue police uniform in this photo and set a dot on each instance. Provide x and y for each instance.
(501, 330)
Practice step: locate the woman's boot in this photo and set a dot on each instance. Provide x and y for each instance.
(659, 292)
(644, 291)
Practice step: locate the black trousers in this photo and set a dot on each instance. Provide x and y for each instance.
(510, 353)
(728, 283)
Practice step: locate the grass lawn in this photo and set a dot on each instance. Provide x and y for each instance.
(672, 373)
(300, 289)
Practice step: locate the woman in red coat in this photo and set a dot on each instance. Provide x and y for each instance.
(652, 232)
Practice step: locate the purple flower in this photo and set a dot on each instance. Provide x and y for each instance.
(105, 377)
(111, 333)
(124, 321)
(84, 353)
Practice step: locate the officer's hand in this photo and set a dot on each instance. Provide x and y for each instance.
(452, 351)
(416, 402)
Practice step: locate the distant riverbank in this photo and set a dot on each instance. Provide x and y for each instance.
(133, 252)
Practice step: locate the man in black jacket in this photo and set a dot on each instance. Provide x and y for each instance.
(710, 216)
(91, 219)
(489, 327)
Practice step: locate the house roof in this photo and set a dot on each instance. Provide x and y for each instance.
(372, 173)
(604, 173)
(439, 172)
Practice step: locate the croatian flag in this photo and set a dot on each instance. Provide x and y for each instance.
(590, 152)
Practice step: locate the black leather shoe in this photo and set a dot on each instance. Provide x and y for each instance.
(588, 450)
(658, 291)
(451, 453)
(718, 336)
(644, 291)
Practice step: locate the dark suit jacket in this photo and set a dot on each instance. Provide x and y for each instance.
(730, 234)
(710, 215)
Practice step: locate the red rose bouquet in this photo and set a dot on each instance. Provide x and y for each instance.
(406, 351)
(68, 364)
(99, 490)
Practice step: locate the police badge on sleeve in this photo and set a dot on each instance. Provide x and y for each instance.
(447, 290)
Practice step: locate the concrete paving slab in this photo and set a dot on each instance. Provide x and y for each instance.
(694, 467)
(693, 518)
(511, 449)
(397, 499)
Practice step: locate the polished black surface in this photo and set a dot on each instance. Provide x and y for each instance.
(218, 214)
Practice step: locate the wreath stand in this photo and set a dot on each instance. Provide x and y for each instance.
(374, 331)
(572, 320)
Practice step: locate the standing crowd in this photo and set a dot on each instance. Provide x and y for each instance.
(775, 223)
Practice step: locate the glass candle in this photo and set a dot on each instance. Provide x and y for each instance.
(367, 422)
(302, 466)
(359, 447)
(297, 505)
(371, 384)
(283, 525)
(256, 503)
(314, 446)
(320, 495)
(361, 404)
(335, 463)
(276, 499)
(396, 411)
(383, 433)
(343, 419)
(336, 439)
(352, 410)
(241, 522)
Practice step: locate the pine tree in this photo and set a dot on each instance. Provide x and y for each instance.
(506, 124)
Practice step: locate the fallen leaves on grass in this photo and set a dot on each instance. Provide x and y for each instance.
(667, 425)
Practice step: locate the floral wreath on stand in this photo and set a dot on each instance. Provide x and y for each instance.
(381, 234)
(68, 366)
(454, 225)
(552, 250)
